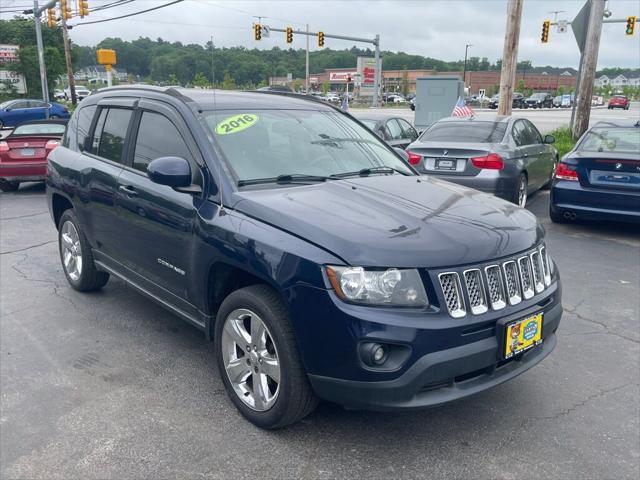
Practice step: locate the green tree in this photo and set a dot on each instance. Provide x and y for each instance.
(325, 86)
(228, 83)
(405, 82)
(521, 85)
(200, 80)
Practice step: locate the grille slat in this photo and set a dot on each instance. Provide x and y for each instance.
(475, 291)
(452, 291)
(495, 287)
(511, 281)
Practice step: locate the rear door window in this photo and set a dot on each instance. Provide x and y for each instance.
(110, 133)
(394, 129)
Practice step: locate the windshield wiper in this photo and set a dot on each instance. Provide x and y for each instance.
(285, 178)
(369, 170)
(335, 141)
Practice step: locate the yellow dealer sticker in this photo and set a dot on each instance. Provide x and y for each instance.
(236, 123)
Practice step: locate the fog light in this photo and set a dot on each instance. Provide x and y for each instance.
(379, 354)
(374, 354)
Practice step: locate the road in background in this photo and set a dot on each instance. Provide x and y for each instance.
(110, 385)
(545, 119)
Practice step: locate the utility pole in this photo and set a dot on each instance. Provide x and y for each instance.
(43, 69)
(306, 78)
(464, 71)
(588, 68)
(67, 57)
(378, 73)
(510, 56)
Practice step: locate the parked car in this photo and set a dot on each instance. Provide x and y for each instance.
(396, 131)
(59, 95)
(23, 153)
(517, 102)
(567, 100)
(332, 97)
(412, 103)
(539, 100)
(316, 259)
(81, 93)
(597, 100)
(15, 112)
(600, 178)
(505, 156)
(557, 101)
(618, 101)
(410, 96)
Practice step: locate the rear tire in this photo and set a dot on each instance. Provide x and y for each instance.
(520, 194)
(76, 257)
(9, 186)
(274, 403)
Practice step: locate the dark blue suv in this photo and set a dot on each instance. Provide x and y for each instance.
(318, 261)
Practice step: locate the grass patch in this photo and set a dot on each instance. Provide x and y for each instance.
(564, 140)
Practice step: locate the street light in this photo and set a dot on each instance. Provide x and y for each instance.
(464, 72)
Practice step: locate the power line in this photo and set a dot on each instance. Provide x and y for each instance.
(129, 14)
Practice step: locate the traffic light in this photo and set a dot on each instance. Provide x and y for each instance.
(83, 8)
(631, 25)
(65, 9)
(51, 17)
(321, 39)
(545, 31)
(257, 31)
(289, 35)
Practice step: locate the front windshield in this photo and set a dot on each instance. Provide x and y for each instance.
(611, 140)
(261, 144)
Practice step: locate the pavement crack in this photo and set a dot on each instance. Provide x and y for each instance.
(23, 216)
(608, 330)
(575, 406)
(28, 248)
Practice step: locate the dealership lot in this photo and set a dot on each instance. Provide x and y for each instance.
(110, 385)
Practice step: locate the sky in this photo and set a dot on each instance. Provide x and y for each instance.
(433, 28)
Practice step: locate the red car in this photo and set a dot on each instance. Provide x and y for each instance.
(618, 101)
(23, 153)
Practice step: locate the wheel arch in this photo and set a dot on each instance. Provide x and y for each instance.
(59, 204)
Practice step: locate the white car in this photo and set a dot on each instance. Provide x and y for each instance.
(81, 93)
(332, 97)
(396, 99)
(59, 95)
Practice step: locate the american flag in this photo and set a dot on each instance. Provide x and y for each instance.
(461, 109)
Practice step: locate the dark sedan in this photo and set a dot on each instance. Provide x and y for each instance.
(517, 102)
(506, 156)
(539, 100)
(600, 178)
(396, 131)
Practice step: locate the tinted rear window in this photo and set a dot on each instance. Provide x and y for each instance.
(611, 140)
(465, 132)
(40, 129)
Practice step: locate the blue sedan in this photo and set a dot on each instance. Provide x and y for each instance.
(15, 112)
(600, 178)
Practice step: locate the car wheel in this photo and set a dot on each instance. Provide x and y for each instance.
(520, 194)
(76, 256)
(258, 359)
(556, 216)
(9, 186)
(53, 117)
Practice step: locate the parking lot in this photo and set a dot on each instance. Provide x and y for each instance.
(109, 385)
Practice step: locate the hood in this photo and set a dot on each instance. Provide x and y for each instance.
(397, 221)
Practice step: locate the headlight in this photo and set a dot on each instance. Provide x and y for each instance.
(398, 287)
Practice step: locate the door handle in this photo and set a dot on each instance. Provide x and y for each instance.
(128, 190)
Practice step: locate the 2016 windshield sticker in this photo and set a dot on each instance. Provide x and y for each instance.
(236, 123)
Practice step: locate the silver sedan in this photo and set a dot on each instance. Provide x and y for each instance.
(505, 156)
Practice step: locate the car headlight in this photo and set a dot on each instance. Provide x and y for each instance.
(393, 286)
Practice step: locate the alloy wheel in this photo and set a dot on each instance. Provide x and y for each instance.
(522, 192)
(71, 251)
(251, 359)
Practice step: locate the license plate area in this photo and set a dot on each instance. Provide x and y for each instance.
(28, 152)
(448, 164)
(522, 335)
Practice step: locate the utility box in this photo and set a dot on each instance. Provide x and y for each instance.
(435, 99)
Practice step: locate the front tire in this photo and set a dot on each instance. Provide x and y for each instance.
(9, 186)
(76, 257)
(258, 359)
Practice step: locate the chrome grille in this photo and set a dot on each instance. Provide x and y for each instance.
(524, 265)
(512, 281)
(545, 266)
(495, 287)
(452, 291)
(538, 281)
(475, 290)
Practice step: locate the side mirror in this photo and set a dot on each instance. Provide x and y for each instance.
(549, 139)
(402, 153)
(174, 172)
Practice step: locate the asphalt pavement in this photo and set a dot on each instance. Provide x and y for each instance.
(108, 385)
